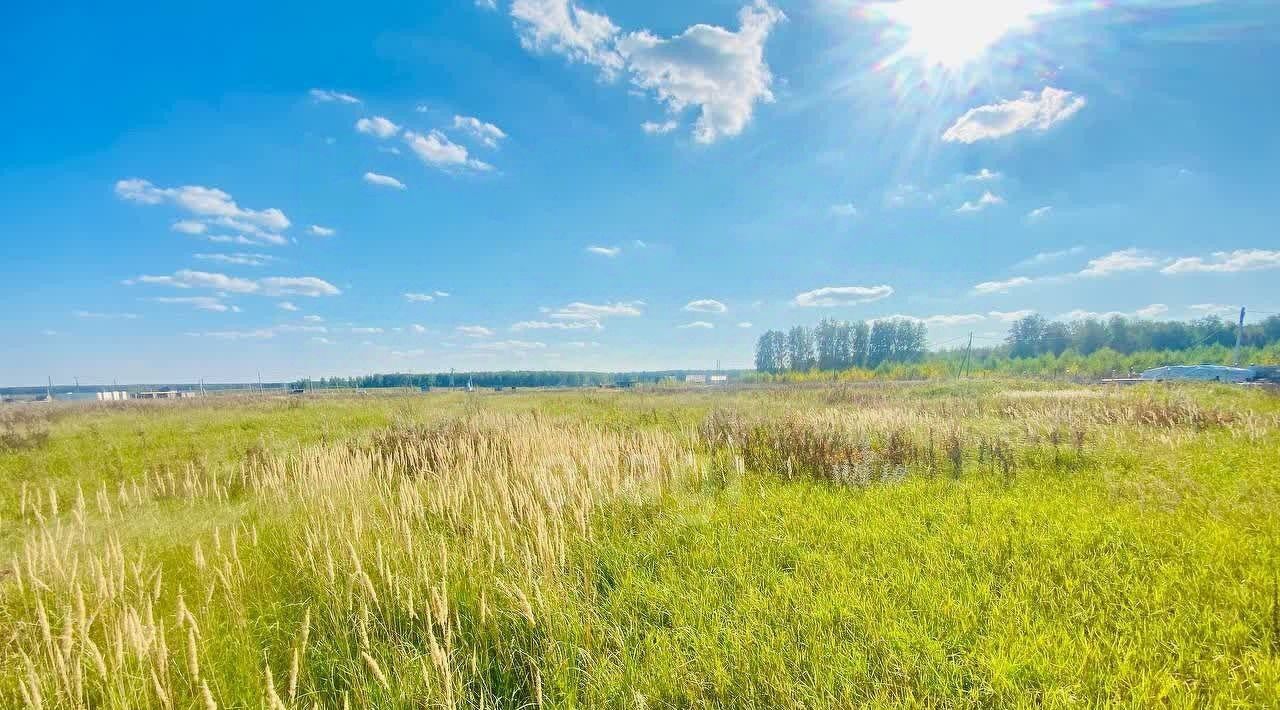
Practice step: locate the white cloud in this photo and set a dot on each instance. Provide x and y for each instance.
(745, 324)
(210, 203)
(313, 319)
(474, 331)
(366, 331)
(831, 296)
(591, 312)
(383, 180)
(988, 199)
(237, 258)
(96, 315)
(441, 294)
(377, 126)
(983, 175)
(319, 231)
(582, 344)
(954, 319)
(327, 96)
(1029, 111)
(287, 306)
(1010, 316)
(258, 334)
(1039, 213)
(846, 209)
(1154, 310)
(605, 251)
(487, 133)
(557, 325)
(906, 195)
(1117, 262)
(203, 303)
(270, 286)
(419, 297)
(419, 329)
(1002, 286)
(435, 149)
(720, 72)
(1226, 262)
(706, 305)
(509, 345)
(298, 286)
(1212, 308)
(190, 226)
(322, 340)
(696, 324)
(561, 26)
(1046, 257)
(659, 129)
(487, 4)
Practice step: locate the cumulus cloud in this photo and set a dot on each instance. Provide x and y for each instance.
(210, 205)
(237, 258)
(1226, 262)
(1117, 262)
(1152, 311)
(696, 324)
(270, 286)
(605, 251)
(325, 96)
(654, 128)
(1002, 286)
(1039, 213)
(831, 296)
(435, 149)
(719, 72)
(377, 126)
(988, 199)
(474, 331)
(706, 305)
(1032, 111)
(1010, 316)
(319, 231)
(383, 181)
(487, 133)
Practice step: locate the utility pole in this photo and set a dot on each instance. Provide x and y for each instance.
(964, 362)
(1239, 336)
(259, 380)
(48, 390)
(77, 379)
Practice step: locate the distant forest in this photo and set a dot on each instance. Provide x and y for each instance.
(889, 344)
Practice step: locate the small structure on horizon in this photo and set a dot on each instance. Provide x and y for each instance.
(695, 379)
(113, 396)
(164, 394)
(1199, 373)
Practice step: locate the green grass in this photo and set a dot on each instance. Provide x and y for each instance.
(1010, 544)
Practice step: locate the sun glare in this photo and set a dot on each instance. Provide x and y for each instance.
(953, 33)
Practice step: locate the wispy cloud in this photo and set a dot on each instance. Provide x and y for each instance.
(203, 303)
(698, 324)
(594, 312)
(988, 199)
(319, 231)
(557, 325)
(237, 258)
(1039, 213)
(328, 96)
(98, 315)
(271, 286)
(706, 305)
(487, 133)
(1119, 261)
(287, 306)
(983, 175)
(419, 297)
(509, 345)
(1002, 286)
(605, 251)
(1030, 111)
(383, 181)
(844, 209)
(654, 128)
(832, 296)
(1048, 257)
(1226, 262)
(1010, 316)
(474, 331)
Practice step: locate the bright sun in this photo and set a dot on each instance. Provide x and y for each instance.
(953, 33)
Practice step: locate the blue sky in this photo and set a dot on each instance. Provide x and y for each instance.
(209, 192)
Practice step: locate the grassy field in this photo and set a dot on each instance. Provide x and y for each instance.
(983, 544)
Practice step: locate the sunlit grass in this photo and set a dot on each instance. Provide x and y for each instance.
(973, 544)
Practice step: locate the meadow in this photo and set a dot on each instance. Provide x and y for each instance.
(997, 543)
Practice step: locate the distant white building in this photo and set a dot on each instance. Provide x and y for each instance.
(113, 396)
(719, 379)
(695, 379)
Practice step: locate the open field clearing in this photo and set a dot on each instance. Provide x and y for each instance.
(956, 545)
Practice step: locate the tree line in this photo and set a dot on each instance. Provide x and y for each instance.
(1034, 335)
(841, 345)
